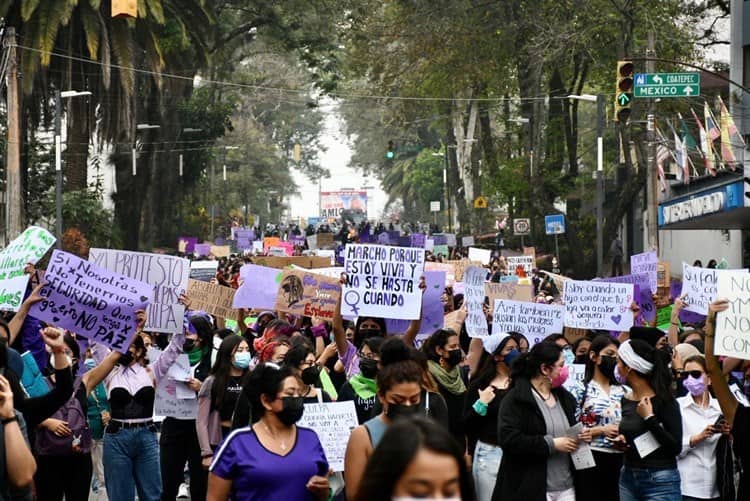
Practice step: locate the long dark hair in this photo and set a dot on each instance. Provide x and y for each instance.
(530, 364)
(660, 377)
(222, 369)
(600, 342)
(488, 366)
(400, 444)
(438, 339)
(267, 379)
(359, 336)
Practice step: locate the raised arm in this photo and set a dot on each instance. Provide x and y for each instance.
(411, 332)
(718, 383)
(16, 323)
(166, 359)
(674, 321)
(20, 465)
(339, 334)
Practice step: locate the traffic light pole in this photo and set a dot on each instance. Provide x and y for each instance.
(652, 179)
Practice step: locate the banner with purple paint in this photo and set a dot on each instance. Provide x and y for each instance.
(384, 239)
(258, 287)
(645, 262)
(598, 305)
(91, 301)
(432, 307)
(418, 240)
(383, 281)
(202, 249)
(536, 321)
(186, 245)
(168, 276)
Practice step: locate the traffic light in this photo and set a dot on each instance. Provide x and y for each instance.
(390, 153)
(624, 91)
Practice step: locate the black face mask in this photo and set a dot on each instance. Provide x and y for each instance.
(582, 359)
(310, 375)
(126, 359)
(607, 365)
(365, 333)
(454, 357)
(188, 345)
(399, 411)
(292, 410)
(368, 368)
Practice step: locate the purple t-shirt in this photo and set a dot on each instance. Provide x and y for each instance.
(257, 473)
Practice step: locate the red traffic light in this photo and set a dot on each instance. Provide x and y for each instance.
(625, 69)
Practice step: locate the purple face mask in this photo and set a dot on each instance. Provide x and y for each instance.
(696, 386)
(621, 379)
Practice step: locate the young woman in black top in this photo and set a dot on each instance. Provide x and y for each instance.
(481, 409)
(651, 425)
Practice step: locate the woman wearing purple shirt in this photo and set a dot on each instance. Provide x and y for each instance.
(273, 458)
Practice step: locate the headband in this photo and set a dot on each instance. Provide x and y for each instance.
(633, 360)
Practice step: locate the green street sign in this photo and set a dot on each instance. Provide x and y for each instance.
(623, 98)
(655, 85)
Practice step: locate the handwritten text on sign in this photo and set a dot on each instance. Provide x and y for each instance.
(509, 290)
(645, 263)
(167, 275)
(91, 301)
(700, 285)
(528, 263)
(536, 321)
(733, 325)
(383, 281)
(333, 423)
(307, 294)
(598, 305)
(476, 320)
(29, 247)
(212, 298)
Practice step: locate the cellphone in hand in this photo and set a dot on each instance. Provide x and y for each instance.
(720, 422)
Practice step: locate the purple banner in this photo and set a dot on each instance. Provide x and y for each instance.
(90, 301)
(675, 289)
(418, 240)
(297, 240)
(186, 245)
(258, 287)
(432, 307)
(404, 241)
(247, 233)
(244, 243)
(203, 249)
(384, 239)
(440, 239)
(394, 236)
(645, 300)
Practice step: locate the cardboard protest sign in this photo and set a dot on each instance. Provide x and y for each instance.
(307, 262)
(325, 240)
(509, 290)
(461, 266)
(29, 247)
(258, 287)
(530, 251)
(536, 321)
(383, 281)
(663, 277)
(482, 255)
(91, 301)
(168, 275)
(333, 422)
(733, 325)
(528, 263)
(476, 320)
(203, 270)
(432, 307)
(466, 241)
(212, 298)
(440, 250)
(598, 305)
(186, 245)
(645, 262)
(559, 280)
(700, 285)
(447, 268)
(312, 242)
(220, 250)
(304, 293)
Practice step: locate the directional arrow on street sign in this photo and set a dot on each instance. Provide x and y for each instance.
(653, 85)
(624, 98)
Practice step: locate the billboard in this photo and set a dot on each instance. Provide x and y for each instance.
(350, 204)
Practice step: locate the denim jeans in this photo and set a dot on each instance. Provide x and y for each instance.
(649, 484)
(486, 465)
(131, 460)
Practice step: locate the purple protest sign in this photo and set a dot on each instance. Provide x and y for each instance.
(186, 245)
(691, 317)
(418, 240)
(384, 239)
(645, 300)
(675, 289)
(404, 241)
(645, 262)
(440, 239)
(432, 307)
(297, 240)
(258, 289)
(91, 301)
(202, 249)
(394, 236)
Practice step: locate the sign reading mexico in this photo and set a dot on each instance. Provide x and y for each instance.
(168, 276)
(91, 301)
(733, 325)
(598, 305)
(382, 281)
(334, 203)
(29, 247)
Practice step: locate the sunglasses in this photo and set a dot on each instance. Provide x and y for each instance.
(684, 374)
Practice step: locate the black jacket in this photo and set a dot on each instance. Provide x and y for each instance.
(521, 431)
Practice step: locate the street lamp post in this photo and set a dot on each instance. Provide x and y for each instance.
(213, 175)
(58, 157)
(599, 100)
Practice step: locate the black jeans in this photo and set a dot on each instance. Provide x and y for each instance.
(179, 445)
(601, 481)
(58, 476)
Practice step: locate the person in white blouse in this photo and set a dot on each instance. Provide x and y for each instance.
(702, 427)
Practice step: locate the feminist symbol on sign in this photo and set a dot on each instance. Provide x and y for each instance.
(351, 298)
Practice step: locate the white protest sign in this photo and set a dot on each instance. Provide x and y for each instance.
(203, 270)
(258, 246)
(168, 275)
(180, 369)
(481, 255)
(466, 241)
(598, 305)
(333, 423)
(476, 320)
(528, 263)
(312, 242)
(645, 263)
(700, 286)
(429, 244)
(733, 325)
(450, 239)
(576, 375)
(382, 281)
(536, 321)
(29, 247)
(168, 403)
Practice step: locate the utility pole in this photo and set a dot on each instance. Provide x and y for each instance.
(652, 189)
(599, 186)
(14, 191)
(58, 169)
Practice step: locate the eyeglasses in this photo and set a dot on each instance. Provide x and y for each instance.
(369, 356)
